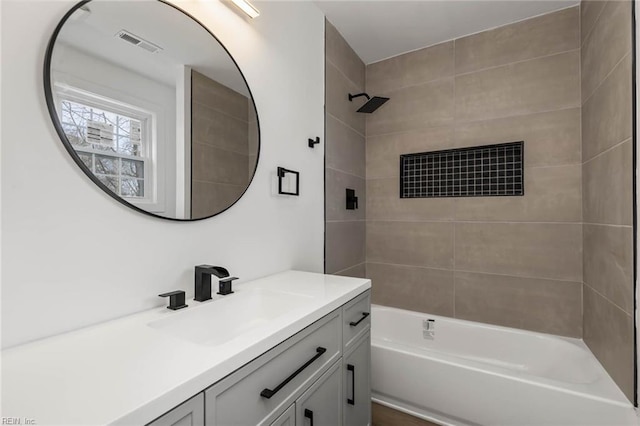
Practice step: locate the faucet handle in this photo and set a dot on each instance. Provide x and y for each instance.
(176, 299)
(225, 285)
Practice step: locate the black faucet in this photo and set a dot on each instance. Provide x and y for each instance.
(203, 281)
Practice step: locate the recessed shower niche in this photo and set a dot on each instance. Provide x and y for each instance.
(480, 171)
(152, 108)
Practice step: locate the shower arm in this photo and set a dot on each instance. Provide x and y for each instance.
(352, 97)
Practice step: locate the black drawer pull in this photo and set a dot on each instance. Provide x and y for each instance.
(354, 323)
(352, 400)
(268, 393)
(309, 414)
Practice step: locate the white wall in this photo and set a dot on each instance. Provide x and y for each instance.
(72, 256)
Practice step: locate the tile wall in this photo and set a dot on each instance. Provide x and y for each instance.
(224, 145)
(512, 261)
(344, 158)
(607, 179)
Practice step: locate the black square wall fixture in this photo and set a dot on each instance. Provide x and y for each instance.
(481, 171)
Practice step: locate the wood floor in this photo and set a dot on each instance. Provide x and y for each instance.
(385, 416)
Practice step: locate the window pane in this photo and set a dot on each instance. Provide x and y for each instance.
(133, 168)
(106, 165)
(126, 147)
(86, 158)
(75, 134)
(110, 182)
(109, 131)
(132, 188)
(106, 137)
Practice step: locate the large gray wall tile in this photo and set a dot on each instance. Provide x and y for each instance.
(208, 197)
(413, 288)
(411, 69)
(215, 95)
(606, 45)
(607, 115)
(541, 36)
(552, 194)
(607, 180)
(344, 245)
(540, 250)
(212, 127)
(337, 92)
(428, 244)
(534, 304)
(414, 108)
(608, 262)
(608, 331)
(589, 11)
(384, 203)
(345, 148)
(358, 271)
(342, 56)
(528, 87)
(550, 138)
(211, 164)
(383, 151)
(336, 198)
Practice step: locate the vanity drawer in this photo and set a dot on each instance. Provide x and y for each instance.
(261, 390)
(356, 318)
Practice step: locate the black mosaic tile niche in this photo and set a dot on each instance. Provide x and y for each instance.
(479, 171)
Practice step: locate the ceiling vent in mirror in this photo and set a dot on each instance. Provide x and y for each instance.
(138, 41)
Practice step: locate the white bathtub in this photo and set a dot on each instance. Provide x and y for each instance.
(477, 374)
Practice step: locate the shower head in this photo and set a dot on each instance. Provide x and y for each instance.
(371, 105)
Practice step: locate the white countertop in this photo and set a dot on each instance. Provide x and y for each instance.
(126, 372)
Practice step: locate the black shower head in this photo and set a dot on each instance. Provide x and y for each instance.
(371, 105)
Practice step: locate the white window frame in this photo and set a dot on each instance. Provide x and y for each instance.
(153, 200)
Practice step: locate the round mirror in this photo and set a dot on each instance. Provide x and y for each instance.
(152, 107)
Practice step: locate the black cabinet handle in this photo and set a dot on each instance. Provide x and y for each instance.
(354, 323)
(268, 393)
(309, 414)
(352, 400)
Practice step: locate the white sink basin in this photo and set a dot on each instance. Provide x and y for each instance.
(219, 321)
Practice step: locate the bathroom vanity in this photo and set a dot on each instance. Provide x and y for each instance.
(289, 349)
(331, 388)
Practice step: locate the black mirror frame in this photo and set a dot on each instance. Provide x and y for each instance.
(65, 141)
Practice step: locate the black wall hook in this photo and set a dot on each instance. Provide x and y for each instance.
(313, 142)
(352, 200)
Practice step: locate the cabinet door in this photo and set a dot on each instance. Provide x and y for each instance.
(288, 418)
(287, 370)
(189, 413)
(357, 383)
(321, 404)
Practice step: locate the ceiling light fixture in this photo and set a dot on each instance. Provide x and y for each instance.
(247, 8)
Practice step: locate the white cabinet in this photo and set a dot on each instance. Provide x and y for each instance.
(356, 318)
(321, 404)
(288, 418)
(257, 393)
(317, 377)
(189, 413)
(357, 383)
